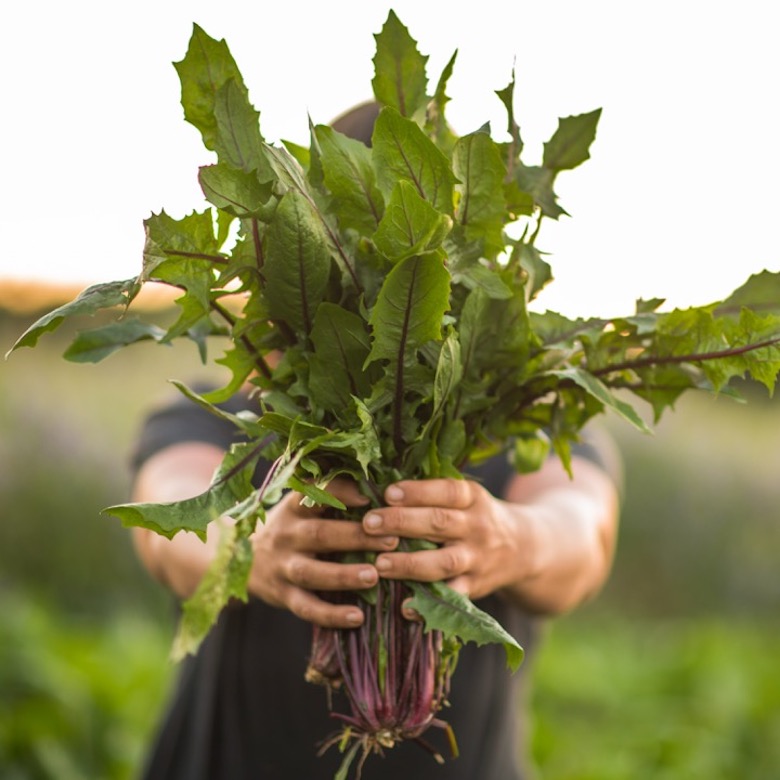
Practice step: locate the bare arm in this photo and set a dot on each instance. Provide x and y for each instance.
(287, 569)
(549, 544)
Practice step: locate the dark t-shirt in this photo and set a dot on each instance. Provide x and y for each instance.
(242, 710)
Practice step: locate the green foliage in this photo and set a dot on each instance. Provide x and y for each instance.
(665, 700)
(404, 249)
(79, 699)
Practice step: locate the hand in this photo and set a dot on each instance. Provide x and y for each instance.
(286, 571)
(481, 541)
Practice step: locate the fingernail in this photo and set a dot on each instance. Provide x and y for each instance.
(367, 576)
(394, 493)
(372, 521)
(389, 541)
(382, 564)
(355, 617)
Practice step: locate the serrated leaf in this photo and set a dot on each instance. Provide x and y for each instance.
(399, 69)
(402, 151)
(341, 345)
(350, 177)
(538, 182)
(445, 610)
(232, 483)
(481, 277)
(91, 346)
(410, 226)
(225, 579)
(477, 164)
(235, 191)
(292, 176)
(570, 144)
(410, 308)
(436, 124)
(760, 292)
(206, 67)
(602, 394)
(449, 370)
(297, 263)
(238, 141)
(507, 97)
(535, 266)
(88, 302)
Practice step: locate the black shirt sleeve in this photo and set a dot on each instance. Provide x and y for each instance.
(182, 420)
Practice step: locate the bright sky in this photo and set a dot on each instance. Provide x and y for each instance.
(679, 200)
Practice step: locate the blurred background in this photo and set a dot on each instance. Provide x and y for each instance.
(671, 673)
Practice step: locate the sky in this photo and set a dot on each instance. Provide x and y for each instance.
(679, 199)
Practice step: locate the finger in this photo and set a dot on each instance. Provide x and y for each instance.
(454, 493)
(461, 585)
(443, 563)
(409, 613)
(322, 536)
(347, 491)
(313, 574)
(436, 523)
(309, 607)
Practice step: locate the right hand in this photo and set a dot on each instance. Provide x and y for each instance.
(286, 570)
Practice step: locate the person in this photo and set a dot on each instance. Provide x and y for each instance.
(523, 547)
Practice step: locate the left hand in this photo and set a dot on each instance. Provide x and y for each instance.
(480, 542)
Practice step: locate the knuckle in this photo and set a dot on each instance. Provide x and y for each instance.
(451, 561)
(440, 519)
(296, 570)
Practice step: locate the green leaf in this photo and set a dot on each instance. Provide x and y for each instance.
(314, 494)
(538, 183)
(292, 176)
(486, 279)
(241, 362)
(350, 177)
(507, 97)
(410, 226)
(445, 610)
(570, 144)
(535, 266)
(225, 579)
(436, 124)
(399, 69)
(89, 302)
(297, 263)
(238, 141)
(245, 421)
(760, 292)
(530, 452)
(207, 66)
(601, 393)
(410, 308)
(235, 191)
(232, 483)
(91, 346)
(341, 346)
(477, 164)
(189, 238)
(402, 151)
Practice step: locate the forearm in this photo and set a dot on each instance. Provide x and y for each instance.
(565, 534)
(176, 473)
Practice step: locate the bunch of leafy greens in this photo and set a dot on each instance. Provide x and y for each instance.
(394, 281)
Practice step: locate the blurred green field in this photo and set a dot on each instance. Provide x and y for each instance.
(671, 673)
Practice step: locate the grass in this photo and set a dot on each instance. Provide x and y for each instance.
(663, 700)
